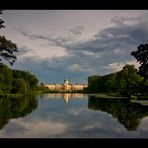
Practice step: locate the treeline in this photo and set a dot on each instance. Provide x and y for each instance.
(122, 83)
(16, 81)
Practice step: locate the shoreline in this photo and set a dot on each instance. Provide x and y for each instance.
(99, 95)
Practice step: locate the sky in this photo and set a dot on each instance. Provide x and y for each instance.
(54, 44)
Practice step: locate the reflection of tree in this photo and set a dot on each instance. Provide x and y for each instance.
(16, 107)
(129, 114)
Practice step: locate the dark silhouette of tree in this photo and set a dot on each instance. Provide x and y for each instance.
(142, 57)
(1, 21)
(7, 48)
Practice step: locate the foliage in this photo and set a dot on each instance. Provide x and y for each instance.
(30, 79)
(7, 48)
(142, 57)
(133, 98)
(5, 79)
(42, 89)
(20, 86)
(16, 81)
(1, 21)
(125, 82)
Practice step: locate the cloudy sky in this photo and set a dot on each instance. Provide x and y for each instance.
(53, 44)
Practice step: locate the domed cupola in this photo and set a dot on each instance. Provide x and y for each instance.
(66, 81)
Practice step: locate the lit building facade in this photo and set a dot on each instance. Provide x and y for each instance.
(66, 86)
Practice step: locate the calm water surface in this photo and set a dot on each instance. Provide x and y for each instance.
(72, 115)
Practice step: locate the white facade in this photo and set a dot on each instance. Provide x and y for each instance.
(65, 86)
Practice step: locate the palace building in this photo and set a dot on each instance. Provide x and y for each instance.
(65, 86)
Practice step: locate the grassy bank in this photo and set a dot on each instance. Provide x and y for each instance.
(60, 91)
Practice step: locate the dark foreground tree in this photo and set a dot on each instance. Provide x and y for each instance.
(1, 21)
(7, 48)
(142, 57)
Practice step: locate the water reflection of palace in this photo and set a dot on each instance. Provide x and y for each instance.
(65, 96)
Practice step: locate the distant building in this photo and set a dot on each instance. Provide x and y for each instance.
(66, 86)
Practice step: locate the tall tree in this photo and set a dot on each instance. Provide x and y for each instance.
(7, 48)
(142, 57)
(1, 21)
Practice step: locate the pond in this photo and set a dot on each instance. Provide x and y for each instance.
(69, 115)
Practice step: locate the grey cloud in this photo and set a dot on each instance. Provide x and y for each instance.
(53, 40)
(77, 30)
(118, 36)
(55, 69)
(21, 31)
(61, 41)
(120, 20)
(123, 36)
(112, 44)
(51, 72)
(23, 50)
(77, 65)
(115, 43)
